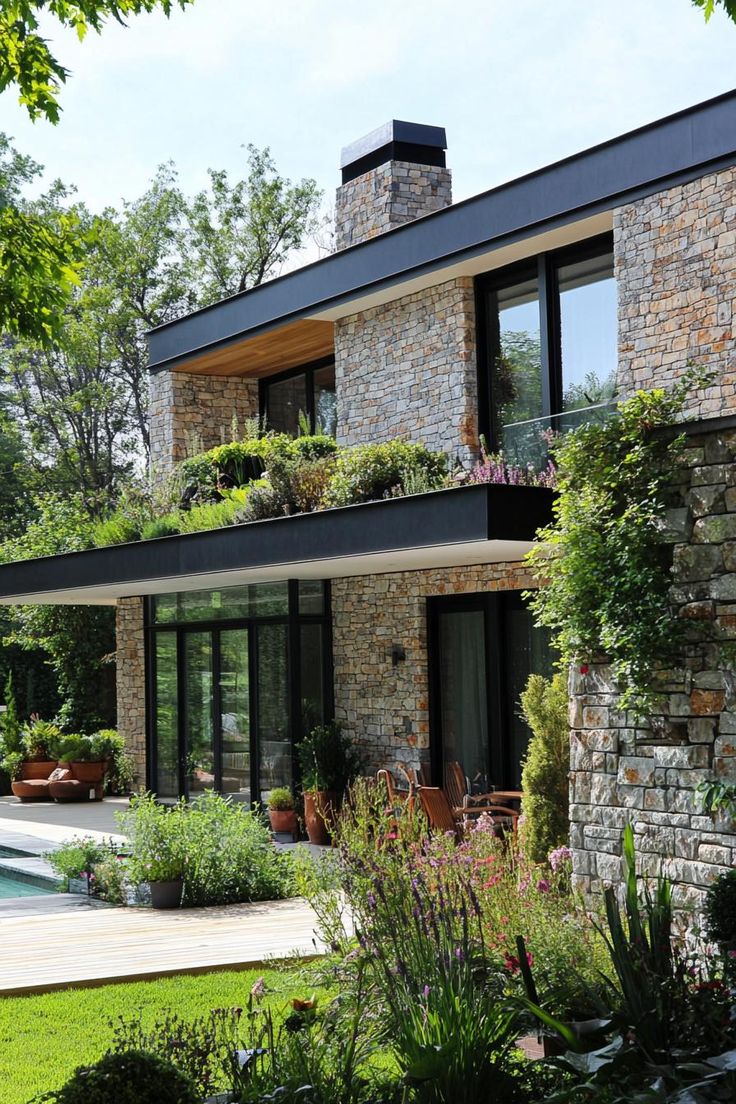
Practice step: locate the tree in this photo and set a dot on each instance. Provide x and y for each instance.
(26, 59)
(709, 6)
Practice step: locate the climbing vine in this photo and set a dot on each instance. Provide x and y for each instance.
(603, 562)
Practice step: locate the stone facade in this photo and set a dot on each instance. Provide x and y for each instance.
(385, 707)
(388, 196)
(131, 681)
(407, 369)
(189, 413)
(675, 260)
(624, 772)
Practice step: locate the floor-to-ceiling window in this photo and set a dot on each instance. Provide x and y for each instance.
(301, 396)
(547, 346)
(236, 677)
(483, 647)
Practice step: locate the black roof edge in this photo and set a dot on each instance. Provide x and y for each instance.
(635, 163)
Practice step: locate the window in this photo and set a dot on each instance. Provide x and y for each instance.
(309, 392)
(548, 346)
(236, 677)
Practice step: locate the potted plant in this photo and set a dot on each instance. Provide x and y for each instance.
(157, 849)
(281, 811)
(40, 747)
(329, 763)
(87, 757)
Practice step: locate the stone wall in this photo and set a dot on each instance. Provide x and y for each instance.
(675, 259)
(622, 771)
(131, 681)
(189, 413)
(407, 369)
(387, 196)
(385, 707)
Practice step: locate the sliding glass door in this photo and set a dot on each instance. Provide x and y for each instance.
(483, 647)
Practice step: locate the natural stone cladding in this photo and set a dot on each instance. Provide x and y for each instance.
(387, 196)
(385, 707)
(190, 413)
(131, 681)
(407, 369)
(622, 771)
(675, 261)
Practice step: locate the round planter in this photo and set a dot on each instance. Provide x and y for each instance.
(166, 895)
(283, 820)
(37, 768)
(93, 773)
(319, 813)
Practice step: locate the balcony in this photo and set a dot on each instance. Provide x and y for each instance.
(526, 443)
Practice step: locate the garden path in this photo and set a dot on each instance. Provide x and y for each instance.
(91, 945)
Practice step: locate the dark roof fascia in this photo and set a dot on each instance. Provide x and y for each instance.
(672, 150)
(454, 516)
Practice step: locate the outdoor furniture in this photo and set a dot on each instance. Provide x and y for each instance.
(395, 793)
(444, 817)
(60, 785)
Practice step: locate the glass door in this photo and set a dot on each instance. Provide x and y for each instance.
(234, 713)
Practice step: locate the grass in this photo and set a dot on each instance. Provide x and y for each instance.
(44, 1038)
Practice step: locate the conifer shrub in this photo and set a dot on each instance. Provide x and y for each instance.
(130, 1078)
(546, 767)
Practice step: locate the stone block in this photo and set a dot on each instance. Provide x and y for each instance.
(706, 701)
(714, 529)
(695, 756)
(701, 730)
(635, 771)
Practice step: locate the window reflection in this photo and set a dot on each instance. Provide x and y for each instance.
(588, 331)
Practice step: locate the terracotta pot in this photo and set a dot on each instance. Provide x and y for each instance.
(166, 895)
(319, 813)
(283, 820)
(37, 768)
(93, 773)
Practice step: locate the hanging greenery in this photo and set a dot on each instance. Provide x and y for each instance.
(602, 564)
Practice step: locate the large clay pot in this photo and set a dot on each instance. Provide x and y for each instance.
(93, 773)
(166, 895)
(319, 814)
(37, 768)
(283, 821)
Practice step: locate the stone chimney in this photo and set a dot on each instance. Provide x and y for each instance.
(394, 175)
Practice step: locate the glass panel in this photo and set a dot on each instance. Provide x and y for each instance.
(516, 367)
(463, 693)
(284, 401)
(235, 717)
(236, 603)
(588, 332)
(198, 719)
(325, 401)
(528, 651)
(274, 744)
(312, 677)
(311, 596)
(166, 716)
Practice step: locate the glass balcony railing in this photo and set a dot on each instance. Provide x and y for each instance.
(527, 442)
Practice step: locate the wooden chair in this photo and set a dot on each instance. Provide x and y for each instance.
(417, 776)
(395, 793)
(444, 817)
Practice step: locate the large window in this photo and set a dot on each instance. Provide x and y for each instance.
(236, 677)
(548, 346)
(303, 393)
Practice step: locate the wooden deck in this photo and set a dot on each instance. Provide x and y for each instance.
(93, 945)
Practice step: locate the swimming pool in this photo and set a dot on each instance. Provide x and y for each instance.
(18, 883)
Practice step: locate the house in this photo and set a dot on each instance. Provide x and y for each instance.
(525, 308)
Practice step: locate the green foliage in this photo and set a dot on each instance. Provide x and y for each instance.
(129, 1078)
(709, 6)
(210, 515)
(41, 739)
(546, 768)
(328, 759)
(718, 796)
(368, 472)
(155, 835)
(109, 744)
(166, 526)
(603, 564)
(281, 799)
(77, 858)
(720, 910)
(10, 726)
(26, 59)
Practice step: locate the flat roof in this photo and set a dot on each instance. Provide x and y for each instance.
(672, 150)
(458, 526)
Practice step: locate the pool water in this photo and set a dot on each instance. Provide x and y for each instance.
(12, 887)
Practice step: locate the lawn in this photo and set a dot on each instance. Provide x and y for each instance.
(44, 1038)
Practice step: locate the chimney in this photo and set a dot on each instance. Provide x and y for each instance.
(394, 175)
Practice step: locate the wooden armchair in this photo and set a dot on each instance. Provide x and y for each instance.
(444, 817)
(395, 793)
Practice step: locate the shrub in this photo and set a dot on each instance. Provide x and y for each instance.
(546, 768)
(280, 799)
(368, 472)
(328, 759)
(129, 1078)
(209, 515)
(110, 882)
(121, 769)
(167, 526)
(720, 910)
(11, 754)
(76, 748)
(156, 838)
(118, 528)
(77, 858)
(41, 739)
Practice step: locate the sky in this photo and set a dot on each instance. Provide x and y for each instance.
(516, 84)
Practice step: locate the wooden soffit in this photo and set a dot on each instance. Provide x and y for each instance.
(267, 353)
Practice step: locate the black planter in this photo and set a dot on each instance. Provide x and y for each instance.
(166, 895)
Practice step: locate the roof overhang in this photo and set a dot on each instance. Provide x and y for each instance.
(569, 200)
(456, 527)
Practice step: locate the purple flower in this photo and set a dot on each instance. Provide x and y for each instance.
(459, 954)
(543, 885)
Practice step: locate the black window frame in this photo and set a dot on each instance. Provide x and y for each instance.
(307, 370)
(293, 620)
(544, 267)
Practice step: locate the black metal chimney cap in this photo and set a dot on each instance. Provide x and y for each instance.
(394, 141)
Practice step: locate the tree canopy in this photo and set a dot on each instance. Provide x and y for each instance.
(709, 6)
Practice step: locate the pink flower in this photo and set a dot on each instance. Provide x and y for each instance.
(543, 885)
(258, 989)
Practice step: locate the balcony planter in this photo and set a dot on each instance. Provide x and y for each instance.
(166, 895)
(319, 814)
